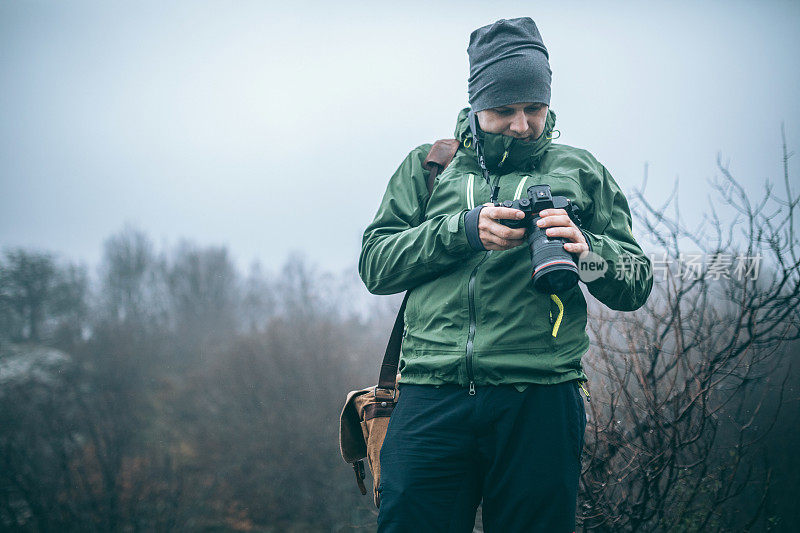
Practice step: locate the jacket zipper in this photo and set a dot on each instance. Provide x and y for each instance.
(471, 285)
(472, 324)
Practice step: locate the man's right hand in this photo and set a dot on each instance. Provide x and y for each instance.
(493, 234)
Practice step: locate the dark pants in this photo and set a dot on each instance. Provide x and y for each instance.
(518, 451)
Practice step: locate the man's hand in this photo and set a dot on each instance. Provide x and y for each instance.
(496, 236)
(559, 224)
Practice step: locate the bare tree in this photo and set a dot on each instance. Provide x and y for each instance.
(28, 281)
(202, 297)
(685, 389)
(264, 412)
(131, 286)
(41, 300)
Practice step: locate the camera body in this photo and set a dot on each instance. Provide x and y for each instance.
(553, 268)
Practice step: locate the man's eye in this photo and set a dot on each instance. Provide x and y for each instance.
(505, 112)
(534, 108)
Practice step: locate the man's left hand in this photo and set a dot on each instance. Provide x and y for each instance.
(559, 224)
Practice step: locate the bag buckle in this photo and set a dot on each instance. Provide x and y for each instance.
(390, 393)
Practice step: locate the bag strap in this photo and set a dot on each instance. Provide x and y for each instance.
(442, 152)
(440, 155)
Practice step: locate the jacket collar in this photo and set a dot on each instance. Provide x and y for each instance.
(505, 154)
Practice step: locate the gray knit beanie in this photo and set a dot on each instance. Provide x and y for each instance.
(508, 64)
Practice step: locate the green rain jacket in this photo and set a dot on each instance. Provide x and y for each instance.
(473, 318)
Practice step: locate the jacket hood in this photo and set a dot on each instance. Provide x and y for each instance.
(503, 153)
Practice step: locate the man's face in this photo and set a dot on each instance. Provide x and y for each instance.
(522, 121)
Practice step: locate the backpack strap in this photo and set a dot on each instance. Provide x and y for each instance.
(440, 155)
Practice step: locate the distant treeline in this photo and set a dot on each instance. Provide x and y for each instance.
(174, 393)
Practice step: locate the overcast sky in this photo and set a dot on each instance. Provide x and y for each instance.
(273, 129)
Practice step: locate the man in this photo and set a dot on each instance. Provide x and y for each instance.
(490, 406)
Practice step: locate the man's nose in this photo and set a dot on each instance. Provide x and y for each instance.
(519, 123)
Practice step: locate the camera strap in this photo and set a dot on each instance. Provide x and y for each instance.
(473, 126)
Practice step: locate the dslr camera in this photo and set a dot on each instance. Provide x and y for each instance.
(554, 269)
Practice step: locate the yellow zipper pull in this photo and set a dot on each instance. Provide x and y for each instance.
(586, 392)
(505, 154)
(557, 323)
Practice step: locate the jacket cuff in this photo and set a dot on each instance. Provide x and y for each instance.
(597, 247)
(471, 228)
(588, 240)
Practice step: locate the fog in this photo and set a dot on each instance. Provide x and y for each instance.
(272, 129)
